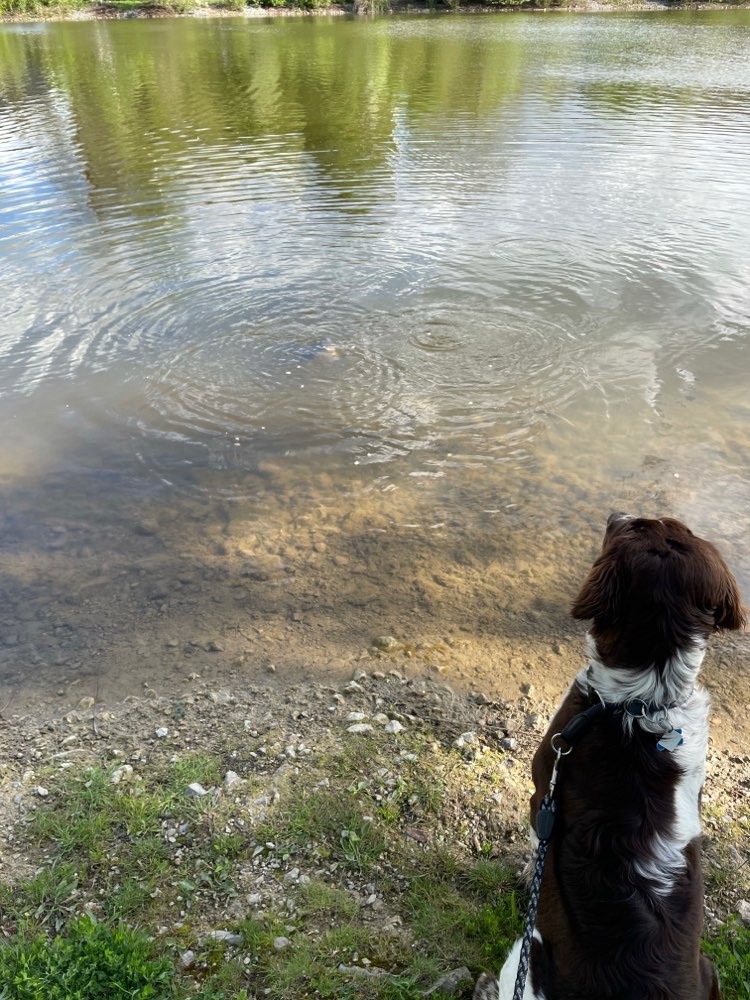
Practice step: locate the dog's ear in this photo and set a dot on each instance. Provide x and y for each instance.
(599, 597)
(729, 612)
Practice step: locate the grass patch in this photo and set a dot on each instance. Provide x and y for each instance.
(90, 961)
(730, 951)
(461, 930)
(331, 825)
(326, 902)
(136, 848)
(47, 900)
(391, 839)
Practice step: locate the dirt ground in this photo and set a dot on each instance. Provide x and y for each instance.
(106, 596)
(115, 610)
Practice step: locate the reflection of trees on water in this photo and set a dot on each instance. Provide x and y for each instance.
(145, 95)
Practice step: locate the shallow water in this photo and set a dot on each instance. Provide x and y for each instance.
(301, 317)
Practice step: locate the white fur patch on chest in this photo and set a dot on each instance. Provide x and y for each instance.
(507, 981)
(667, 854)
(665, 860)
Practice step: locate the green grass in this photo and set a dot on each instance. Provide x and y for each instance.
(330, 825)
(111, 841)
(89, 962)
(321, 902)
(39, 8)
(42, 8)
(143, 854)
(476, 930)
(730, 950)
(47, 900)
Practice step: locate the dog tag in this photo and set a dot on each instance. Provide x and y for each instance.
(670, 741)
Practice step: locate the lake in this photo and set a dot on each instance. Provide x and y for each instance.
(316, 330)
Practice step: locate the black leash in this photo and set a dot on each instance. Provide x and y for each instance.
(578, 726)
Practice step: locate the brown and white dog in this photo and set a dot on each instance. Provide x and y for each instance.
(621, 907)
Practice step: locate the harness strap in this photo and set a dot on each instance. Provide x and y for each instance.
(578, 726)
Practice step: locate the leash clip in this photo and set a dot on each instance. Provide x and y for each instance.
(559, 752)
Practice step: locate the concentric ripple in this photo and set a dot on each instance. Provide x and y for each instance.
(417, 245)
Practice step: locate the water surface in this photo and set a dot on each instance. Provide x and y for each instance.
(314, 330)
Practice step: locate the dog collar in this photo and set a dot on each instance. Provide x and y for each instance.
(636, 708)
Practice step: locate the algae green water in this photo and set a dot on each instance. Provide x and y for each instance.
(318, 330)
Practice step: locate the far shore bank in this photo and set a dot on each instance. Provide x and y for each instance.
(71, 10)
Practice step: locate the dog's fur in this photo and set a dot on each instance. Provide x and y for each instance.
(621, 906)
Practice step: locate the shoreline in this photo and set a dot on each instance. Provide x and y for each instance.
(146, 11)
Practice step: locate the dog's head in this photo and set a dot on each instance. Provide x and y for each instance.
(656, 590)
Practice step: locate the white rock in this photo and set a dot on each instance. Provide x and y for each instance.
(41, 791)
(231, 778)
(394, 726)
(187, 959)
(161, 732)
(355, 717)
(227, 936)
(281, 942)
(466, 739)
(372, 973)
(359, 727)
(122, 773)
(292, 875)
(195, 790)
(743, 909)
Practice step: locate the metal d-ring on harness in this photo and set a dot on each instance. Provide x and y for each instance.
(545, 821)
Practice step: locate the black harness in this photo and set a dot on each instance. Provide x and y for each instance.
(576, 728)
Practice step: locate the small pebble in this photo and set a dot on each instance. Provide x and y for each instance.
(387, 644)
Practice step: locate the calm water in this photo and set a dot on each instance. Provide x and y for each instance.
(267, 285)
